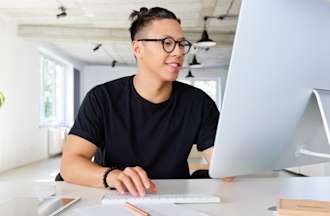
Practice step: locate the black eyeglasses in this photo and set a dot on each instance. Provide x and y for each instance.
(169, 44)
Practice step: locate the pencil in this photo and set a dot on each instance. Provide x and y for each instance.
(135, 210)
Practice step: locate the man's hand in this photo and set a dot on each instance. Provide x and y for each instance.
(228, 179)
(208, 155)
(132, 179)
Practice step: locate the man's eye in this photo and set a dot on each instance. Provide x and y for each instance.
(183, 43)
(168, 43)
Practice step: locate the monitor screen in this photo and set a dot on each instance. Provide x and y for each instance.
(281, 54)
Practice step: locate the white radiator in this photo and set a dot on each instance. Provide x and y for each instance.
(56, 139)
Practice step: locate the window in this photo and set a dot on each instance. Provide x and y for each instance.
(56, 90)
(210, 86)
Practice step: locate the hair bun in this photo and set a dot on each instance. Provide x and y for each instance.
(143, 10)
(144, 16)
(137, 14)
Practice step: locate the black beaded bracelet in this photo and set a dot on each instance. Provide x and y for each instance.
(105, 175)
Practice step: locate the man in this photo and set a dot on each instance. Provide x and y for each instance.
(143, 126)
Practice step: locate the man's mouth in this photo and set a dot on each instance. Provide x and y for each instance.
(174, 65)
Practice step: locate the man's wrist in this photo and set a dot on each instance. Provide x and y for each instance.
(107, 172)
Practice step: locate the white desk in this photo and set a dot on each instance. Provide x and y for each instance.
(242, 197)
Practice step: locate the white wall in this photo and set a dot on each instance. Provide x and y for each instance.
(93, 75)
(21, 139)
(61, 56)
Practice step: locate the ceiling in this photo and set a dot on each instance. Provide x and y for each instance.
(90, 22)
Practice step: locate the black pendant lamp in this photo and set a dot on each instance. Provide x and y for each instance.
(205, 41)
(190, 75)
(194, 63)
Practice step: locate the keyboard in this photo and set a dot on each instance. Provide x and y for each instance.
(161, 198)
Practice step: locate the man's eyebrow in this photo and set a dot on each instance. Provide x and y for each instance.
(181, 38)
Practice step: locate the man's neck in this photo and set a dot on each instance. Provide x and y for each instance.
(151, 88)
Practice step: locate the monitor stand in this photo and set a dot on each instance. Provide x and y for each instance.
(313, 130)
(316, 115)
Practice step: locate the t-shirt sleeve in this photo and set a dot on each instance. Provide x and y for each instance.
(88, 123)
(210, 116)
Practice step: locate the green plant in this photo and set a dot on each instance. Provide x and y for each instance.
(2, 99)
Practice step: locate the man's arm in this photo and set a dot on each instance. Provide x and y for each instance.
(77, 168)
(207, 153)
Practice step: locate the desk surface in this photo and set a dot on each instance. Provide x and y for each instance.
(242, 197)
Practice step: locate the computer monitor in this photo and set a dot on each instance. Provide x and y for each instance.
(269, 113)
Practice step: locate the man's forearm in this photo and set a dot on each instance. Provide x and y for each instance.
(82, 171)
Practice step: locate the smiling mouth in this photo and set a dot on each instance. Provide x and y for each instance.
(174, 65)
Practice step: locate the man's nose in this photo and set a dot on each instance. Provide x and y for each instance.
(178, 51)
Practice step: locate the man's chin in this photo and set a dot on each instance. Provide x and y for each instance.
(170, 78)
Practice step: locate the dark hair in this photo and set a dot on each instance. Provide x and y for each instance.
(145, 16)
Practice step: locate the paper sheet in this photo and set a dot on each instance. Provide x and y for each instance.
(152, 209)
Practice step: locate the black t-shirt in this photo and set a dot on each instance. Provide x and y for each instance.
(131, 131)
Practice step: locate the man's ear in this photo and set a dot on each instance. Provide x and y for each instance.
(137, 49)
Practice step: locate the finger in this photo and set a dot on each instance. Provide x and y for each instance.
(136, 180)
(231, 178)
(119, 187)
(153, 187)
(126, 180)
(228, 179)
(143, 175)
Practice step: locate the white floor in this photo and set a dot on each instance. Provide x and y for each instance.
(47, 170)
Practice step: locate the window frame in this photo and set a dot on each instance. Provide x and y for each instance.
(60, 118)
(192, 81)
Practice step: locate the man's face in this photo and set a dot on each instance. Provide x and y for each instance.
(150, 54)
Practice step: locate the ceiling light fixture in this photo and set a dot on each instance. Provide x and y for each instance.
(194, 63)
(97, 47)
(206, 42)
(113, 64)
(190, 75)
(62, 13)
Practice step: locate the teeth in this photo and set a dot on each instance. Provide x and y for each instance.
(174, 65)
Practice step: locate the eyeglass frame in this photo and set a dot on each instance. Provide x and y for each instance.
(163, 42)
